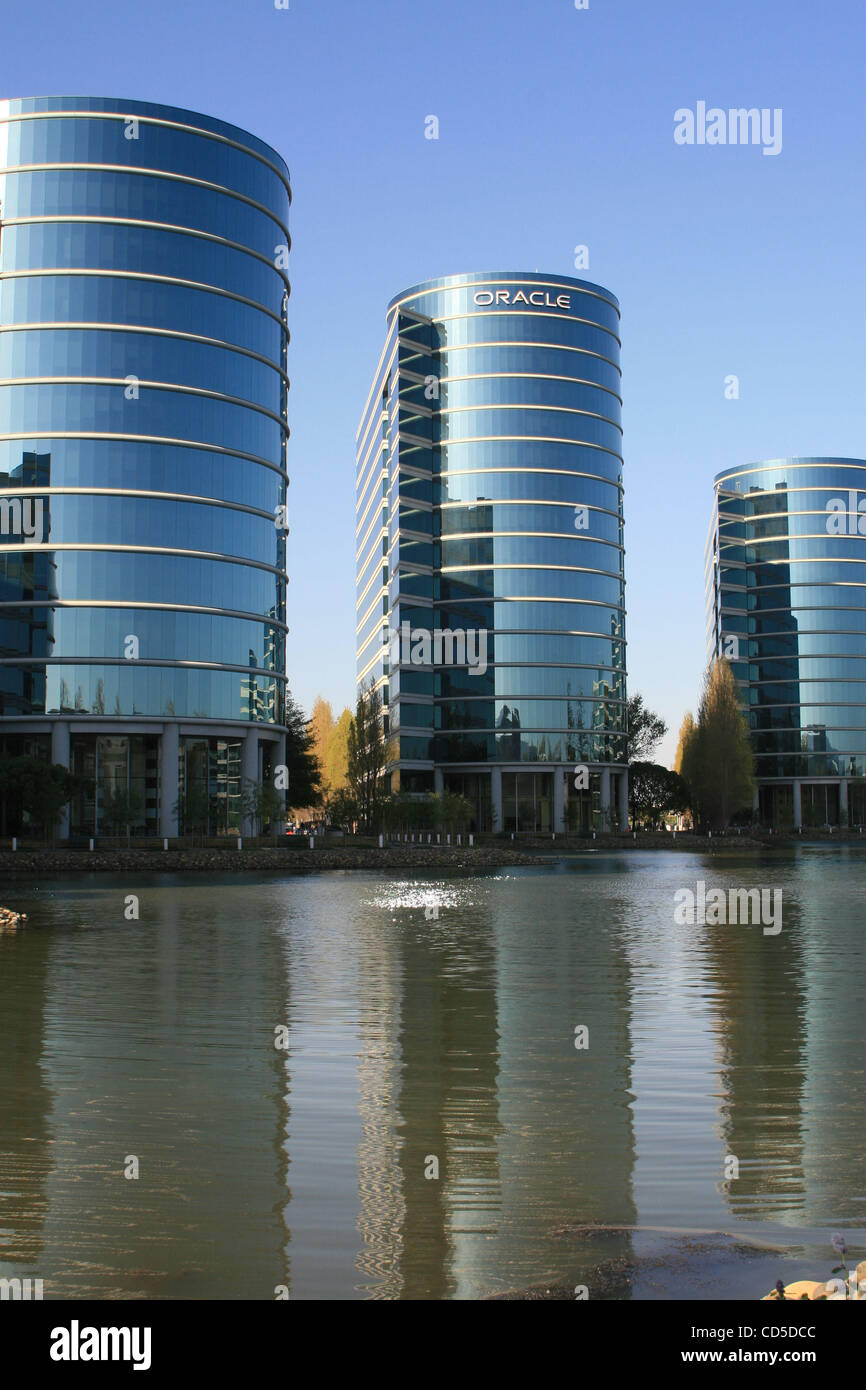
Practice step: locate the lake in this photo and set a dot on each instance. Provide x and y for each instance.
(355, 1085)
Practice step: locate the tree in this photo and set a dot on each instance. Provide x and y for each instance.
(121, 807)
(305, 772)
(367, 753)
(262, 804)
(341, 808)
(715, 755)
(644, 730)
(38, 790)
(194, 810)
(655, 792)
(321, 727)
(337, 752)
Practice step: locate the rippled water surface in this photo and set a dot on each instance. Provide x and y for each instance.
(431, 1030)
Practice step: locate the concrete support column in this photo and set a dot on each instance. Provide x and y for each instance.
(280, 761)
(622, 799)
(605, 798)
(798, 806)
(438, 780)
(559, 776)
(60, 754)
(496, 798)
(249, 772)
(843, 796)
(169, 790)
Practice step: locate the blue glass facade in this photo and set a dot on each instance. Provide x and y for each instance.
(786, 603)
(143, 431)
(489, 516)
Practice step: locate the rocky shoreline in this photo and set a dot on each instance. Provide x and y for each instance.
(56, 863)
(498, 855)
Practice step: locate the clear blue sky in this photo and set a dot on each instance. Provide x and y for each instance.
(556, 129)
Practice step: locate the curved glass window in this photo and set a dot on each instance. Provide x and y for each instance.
(141, 466)
(69, 633)
(529, 747)
(524, 583)
(151, 250)
(567, 617)
(538, 518)
(549, 551)
(502, 458)
(527, 390)
(157, 691)
(99, 141)
(528, 328)
(73, 352)
(164, 413)
(110, 299)
(93, 520)
(512, 717)
(572, 363)
(90, 575)
(559, 424)
(96, 192)
(510, 682)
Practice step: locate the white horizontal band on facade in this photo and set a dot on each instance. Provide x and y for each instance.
(489, 311)
(47, 547)
(64, 325)
(122, 437)
(173, 280)
(146, 662)
(24, 491)
(124, 118)
(146, 172)
(147, 606)
(141, 382)
(176, 228)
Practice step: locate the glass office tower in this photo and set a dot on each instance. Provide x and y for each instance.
(143, 429)
(489, 548)
(786, 603)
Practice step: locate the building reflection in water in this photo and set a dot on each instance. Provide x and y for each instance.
(529, 1134)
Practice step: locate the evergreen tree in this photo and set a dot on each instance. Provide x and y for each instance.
(716, 752)
(644, 730)
(305, 772)
(366, 765)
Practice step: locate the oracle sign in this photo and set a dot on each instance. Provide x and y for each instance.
(540, 299)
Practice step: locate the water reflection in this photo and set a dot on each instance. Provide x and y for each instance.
(432, 1131)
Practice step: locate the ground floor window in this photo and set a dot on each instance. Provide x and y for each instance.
(123, 798)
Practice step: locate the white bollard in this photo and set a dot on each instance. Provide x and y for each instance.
(471, 840)
(312, 842)
(449, 837)
(460, 839)
(165, 843)
(240, 842)
(91, 846)
(14, 844)
(438, 837)
(381, 841)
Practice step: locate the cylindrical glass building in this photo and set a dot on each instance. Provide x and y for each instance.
(786, 604)
(143, 429)
(489, 517)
